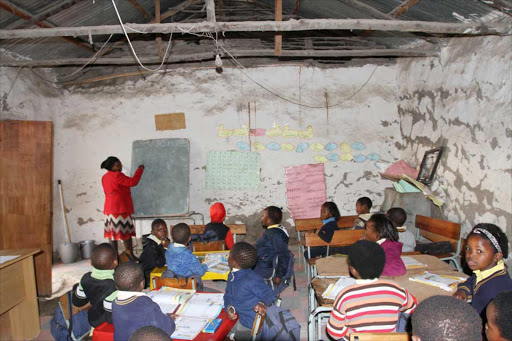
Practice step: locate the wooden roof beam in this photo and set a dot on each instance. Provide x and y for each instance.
(465, 29)
(210, 11)
(177, 9)
(402, 8)
(200, 56)
(141, 10)
(20, 12)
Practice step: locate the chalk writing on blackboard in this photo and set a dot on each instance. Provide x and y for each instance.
(305, 190)
(232, 170)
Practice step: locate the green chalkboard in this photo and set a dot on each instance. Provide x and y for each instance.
(164, 186)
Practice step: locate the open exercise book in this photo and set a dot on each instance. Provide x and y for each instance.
(448, 283)
(193, 310)
(411, 263)
(334, 288)
(217, 262)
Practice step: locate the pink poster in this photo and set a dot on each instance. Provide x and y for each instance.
(305, 190)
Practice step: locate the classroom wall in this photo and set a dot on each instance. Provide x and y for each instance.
(104, 119)
(463, 100)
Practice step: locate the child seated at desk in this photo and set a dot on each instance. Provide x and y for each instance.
(132, 309)
(272, 243)
(445, 318)
(329, 214)
(363, 207)
(180, 260)
(215, 229)
(380, 229)
(371, 305)
(398, 217)
(499, 318)
(154, 246)
(487, 245)
(246, 292)
(97, 286)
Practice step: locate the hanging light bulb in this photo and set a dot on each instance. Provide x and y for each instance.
(218, 61)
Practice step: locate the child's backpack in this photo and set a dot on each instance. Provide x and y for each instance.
(288, 276)
(279, 325)
(73, 329)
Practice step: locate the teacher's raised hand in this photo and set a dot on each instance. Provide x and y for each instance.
(141, 167)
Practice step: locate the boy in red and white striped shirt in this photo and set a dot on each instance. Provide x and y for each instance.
(371, 305)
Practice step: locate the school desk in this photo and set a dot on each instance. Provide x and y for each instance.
(105, 331)
(320, 308)
(208, 276)
(19, 312)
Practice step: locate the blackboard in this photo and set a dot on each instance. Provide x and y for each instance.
(164, 186)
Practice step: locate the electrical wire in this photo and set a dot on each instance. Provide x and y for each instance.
(4, 97)
(131, 46)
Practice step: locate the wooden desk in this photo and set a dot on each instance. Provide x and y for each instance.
(19, 312)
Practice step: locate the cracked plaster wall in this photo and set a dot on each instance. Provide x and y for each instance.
(95, 122)
(463, 100)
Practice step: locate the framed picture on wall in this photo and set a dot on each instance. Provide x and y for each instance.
(429, 165)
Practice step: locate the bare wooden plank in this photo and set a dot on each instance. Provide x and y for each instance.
(278, 38)
(441, 227)
(236, 53)
(339, 238)
(20, 12)
(402, 8)
(210, 11)
(467, 29)
(158, 38)
(141, 9)
(174, 121)
(347, 221)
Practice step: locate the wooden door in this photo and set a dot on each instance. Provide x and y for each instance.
(26, 158)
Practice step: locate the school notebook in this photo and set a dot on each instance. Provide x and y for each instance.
(448, 283)
(168, 299)
(334, 288)
(411, 263)
(217, 262)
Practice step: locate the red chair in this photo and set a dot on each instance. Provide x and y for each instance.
(103, 332)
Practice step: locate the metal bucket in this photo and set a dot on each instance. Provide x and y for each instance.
(86, 247)
(68, 252)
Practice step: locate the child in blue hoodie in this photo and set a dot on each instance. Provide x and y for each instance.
(180, 260)
(246, 292)
(329, 214)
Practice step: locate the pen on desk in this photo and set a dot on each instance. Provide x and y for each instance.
(176, 310)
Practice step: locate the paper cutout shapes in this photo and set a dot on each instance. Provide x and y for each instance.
(307, 134)
(316, 147)
(359, 158)
(221, 132)
(345, 148)
(301, 147)
(320, 159)
(257, 132)
(287, 147)
(258, 146)
(243, 146)
(273, 146)
(373, 157)
(358, 146)
(232, 170)
(331, 146)
(275, 131)
(287, 132)
(243, 131)
(346, 157)
(333, 157)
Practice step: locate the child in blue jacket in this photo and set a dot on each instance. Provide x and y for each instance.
(272, 243)
(246, 292)
(180, 260)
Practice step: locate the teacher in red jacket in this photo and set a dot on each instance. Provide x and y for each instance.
(118, 203)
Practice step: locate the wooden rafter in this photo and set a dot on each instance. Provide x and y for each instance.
(141, 10)
(196, 57)
(466, 29)
(402, 8)
(210, 11)
(178, 8)
(158, 38)
(20, 12)
(278, 37)
(48, 11)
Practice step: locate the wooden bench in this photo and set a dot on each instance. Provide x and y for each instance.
(339, 238)
(437, 230)
(304, 225)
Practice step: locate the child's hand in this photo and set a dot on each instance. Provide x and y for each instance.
(260, 308)
(277, 280)
(165, 243)
(173, 316)
(232, 315)
(461, 295)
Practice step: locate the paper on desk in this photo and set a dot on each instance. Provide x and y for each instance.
(4, 259)
(203, 305)
(412, 263)
(168, 299)
(187, 328)
(448, 283)
(217, 262)
(334, 288)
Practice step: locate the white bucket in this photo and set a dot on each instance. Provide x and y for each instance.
(86, 247)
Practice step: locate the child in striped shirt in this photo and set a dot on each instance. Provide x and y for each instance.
(371, 305)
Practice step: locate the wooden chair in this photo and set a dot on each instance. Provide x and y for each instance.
(65, 303)
(257, 325)
(237, 229)
(339, 238)
(380, 337)
(178, 283)
(196, 229)
(217, 245)
(437, 230)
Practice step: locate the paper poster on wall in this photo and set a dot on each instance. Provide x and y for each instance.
(305, 190)
(232, 170)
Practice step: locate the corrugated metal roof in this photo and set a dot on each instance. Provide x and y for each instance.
(101, 12)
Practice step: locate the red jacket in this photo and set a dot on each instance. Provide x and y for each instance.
(118, 198)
